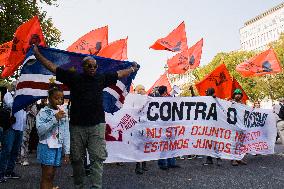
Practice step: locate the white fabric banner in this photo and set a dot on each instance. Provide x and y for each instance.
(151, 128)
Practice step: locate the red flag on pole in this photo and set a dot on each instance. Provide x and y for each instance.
(261, 64)
(175, 41)
(188, 59)
(235, 86)
(116, 50)
(27, 34)
(5, 50)
(131, 90)
(194, 53)
(92, 42)
(163, 80)
(220, 80)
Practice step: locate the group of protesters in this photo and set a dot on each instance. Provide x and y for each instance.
(87, 125)
(67, 135)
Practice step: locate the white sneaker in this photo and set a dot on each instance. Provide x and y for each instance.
(25, 163)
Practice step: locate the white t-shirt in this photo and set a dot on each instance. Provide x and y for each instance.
(21, 118)
(8, 100)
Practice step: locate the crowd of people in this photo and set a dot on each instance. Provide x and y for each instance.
(65, 133)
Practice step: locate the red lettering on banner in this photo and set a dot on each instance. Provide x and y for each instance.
(168, 145)
(228, 148)
(211, 131)
(256, 146)
(155, 147)
(212, 144)
(153, 132)
(175, 131)
(243, 137)
(194, 130)
(127, 122)
(146, 147)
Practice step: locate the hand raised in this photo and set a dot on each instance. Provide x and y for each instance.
(35, 49)
(60, 114)
(135, 66)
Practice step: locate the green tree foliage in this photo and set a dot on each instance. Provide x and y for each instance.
(257, 88)
(14, 12)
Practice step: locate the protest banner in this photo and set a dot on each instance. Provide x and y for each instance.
(151, 128)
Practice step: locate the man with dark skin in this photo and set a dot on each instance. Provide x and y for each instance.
(87, 118)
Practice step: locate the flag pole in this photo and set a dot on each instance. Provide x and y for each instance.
(269, 88)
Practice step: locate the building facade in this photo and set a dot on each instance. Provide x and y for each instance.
(265, 28)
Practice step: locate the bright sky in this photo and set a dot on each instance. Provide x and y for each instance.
(144, 21)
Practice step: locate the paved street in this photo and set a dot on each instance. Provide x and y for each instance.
(261, 172)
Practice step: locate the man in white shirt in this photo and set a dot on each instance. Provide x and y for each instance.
(12, 141)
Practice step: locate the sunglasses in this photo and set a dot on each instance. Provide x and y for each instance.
(95, 66)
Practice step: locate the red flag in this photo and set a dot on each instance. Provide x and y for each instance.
(188, 59)
(92, 42)
(116, 50)
(131, 90)
(262, 64)
(235, 86)
(178, 64)
(175, 41)
(220, 80)
(163, 80)
(5, 50)
(27, 34)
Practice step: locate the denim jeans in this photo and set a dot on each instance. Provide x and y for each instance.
(12, 140)
(166, 162)
(1, 135)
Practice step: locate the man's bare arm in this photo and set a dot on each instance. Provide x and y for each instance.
(127, 72)
(47, 63)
